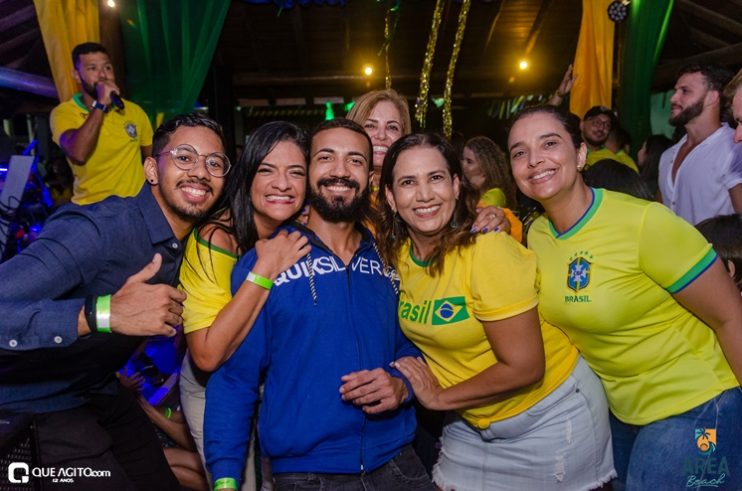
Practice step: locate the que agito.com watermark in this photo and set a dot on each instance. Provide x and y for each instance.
(21, 472)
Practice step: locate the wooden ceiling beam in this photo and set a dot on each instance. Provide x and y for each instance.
(20, 41)
(719, 20)
(18, 17)
(297, 25)
(538, 24)
(255, 52)
(253, 79)
(706, 39)
(727, 56)
(491, 33)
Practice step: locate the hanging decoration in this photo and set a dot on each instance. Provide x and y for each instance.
(421, 108)
(447, 90)
(389, 31)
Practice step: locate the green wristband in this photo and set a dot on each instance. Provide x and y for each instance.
(103, 313)
(261, 281)
(225, 483)
(168, 412)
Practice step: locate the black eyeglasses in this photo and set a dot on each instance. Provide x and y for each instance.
(185, 157)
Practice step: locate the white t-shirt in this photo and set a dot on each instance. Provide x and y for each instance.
(702, 184)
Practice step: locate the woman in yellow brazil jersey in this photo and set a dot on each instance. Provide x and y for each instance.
(527, 411)
(648, 304)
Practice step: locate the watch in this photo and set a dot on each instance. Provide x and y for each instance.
(102, 107)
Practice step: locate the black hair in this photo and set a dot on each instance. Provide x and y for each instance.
(84, 49)
(716, 76)
(237, 189)
(348, 125)
(162, 133)
(725, 234)
(654, 147)
(615, 176)
(570, 122)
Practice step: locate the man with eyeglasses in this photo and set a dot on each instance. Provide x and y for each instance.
(596, 126)
(78, 301)
(103, 136)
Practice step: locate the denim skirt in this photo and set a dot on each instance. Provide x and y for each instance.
(562, 442)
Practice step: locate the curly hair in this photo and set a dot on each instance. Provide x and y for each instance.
(392, 231)
(495, 167)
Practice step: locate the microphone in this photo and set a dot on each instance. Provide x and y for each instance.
(116, 100)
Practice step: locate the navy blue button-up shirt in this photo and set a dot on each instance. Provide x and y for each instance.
(82, 250)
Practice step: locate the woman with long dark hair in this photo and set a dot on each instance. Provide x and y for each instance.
(267, 188)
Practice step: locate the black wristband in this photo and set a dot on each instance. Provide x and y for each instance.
(90, 312)
(101, 106)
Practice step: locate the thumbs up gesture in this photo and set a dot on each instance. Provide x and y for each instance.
(141, 309)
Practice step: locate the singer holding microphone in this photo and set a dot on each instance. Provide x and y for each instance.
(104, 137)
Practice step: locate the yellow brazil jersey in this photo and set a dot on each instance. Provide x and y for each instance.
(496, 197)
(607, 282)
(490, 280)
(115, 166)
(604, 153)
(205, 277)
(493, 197)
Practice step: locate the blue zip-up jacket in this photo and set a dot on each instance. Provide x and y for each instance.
(310, 333)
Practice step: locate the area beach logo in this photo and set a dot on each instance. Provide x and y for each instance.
(439, 311)
(706, 440)
(706, 469)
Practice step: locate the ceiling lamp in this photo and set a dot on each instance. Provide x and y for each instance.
(368, 70)
(523, 64)
(618, 10)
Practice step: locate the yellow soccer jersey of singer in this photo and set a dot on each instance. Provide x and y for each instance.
(115, 166)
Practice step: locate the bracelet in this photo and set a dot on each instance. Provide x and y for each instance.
(168, 412)
(225, 483)
(90, 312)
(103, 314)
(261, 281)
(101, 106)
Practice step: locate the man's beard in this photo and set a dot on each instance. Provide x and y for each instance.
(89, 89)
(335, 210)
(595, 143)
(187, 212)
(686, 115)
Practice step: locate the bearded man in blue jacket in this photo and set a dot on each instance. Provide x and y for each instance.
(334, 414)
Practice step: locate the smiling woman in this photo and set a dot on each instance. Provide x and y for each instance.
(661, 325)
(469, 303)
(385, 116)
(266, 188)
